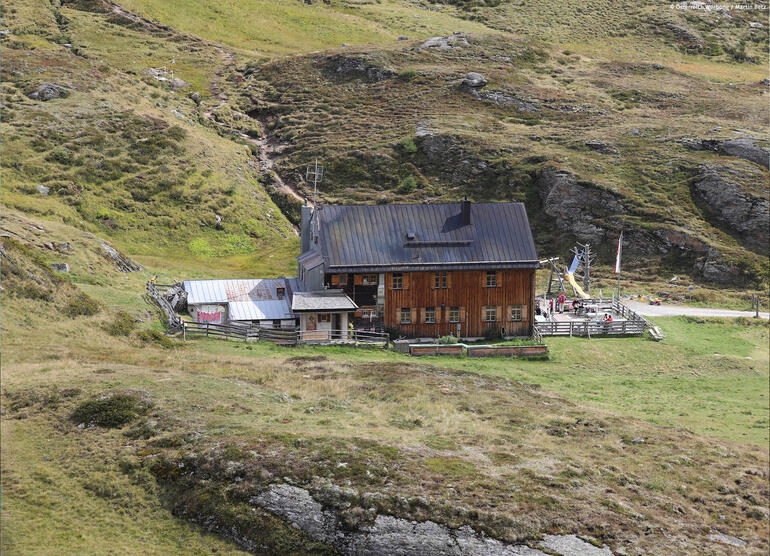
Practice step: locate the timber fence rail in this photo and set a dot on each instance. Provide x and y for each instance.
(155, 291)
(633, 324)
(284, 336)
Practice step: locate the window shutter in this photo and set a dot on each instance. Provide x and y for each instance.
(406, 280)
(440, 314)
(414, 316)
(335, 279)
(358, 280)
(448, 279)
(483, 313)
(524, 314)
(396, 316)
(499, 313)
(422, 315)
(462, 316)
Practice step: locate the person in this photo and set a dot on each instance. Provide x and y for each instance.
(562, 301)
(574, 306)
(609, 318)
(550, 305)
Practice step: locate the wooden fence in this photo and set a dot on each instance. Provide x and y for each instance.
(632, 324)
(155, 291)
(284, 336)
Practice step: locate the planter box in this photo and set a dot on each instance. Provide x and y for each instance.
(448, 349)
(506, 351)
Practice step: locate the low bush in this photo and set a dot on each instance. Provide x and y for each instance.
(81, 305)
(112, 410)
(122, 324)
(156, 337)
(447, 340)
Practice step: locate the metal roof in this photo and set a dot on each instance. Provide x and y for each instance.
(223, 291)
(259, 310)
(311, 259)
(246, 299)
(327, 300)
(371, 238)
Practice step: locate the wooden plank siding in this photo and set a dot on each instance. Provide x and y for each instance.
(467, 290)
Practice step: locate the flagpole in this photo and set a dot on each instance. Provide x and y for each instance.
(617, 260)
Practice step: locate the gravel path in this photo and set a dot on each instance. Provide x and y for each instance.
(678, 310)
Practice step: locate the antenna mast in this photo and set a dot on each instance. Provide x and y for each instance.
(314, 173)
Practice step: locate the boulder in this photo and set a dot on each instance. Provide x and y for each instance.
(740, 147)
(49, 91)
(195, 97)
(43, 190)
(60, 267)
(121, 261)
(444, 43)
(177, 83)
(602, 147)
(474, 80)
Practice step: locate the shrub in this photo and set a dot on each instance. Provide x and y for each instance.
(447, 340)
(408, 185)
(155, 337)
(407, 75)
(407, 145)
(113, 410)
(122, 325)
(81, 305)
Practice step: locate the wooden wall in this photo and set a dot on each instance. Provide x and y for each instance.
(467, 290)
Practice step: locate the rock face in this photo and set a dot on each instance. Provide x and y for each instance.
(740, 147)
(399, 537)
(743, 212)
(121, 261)
(355, 67)
(602, 147)
(578, 207)
(49, 91)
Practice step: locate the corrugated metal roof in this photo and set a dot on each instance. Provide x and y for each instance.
(223, 291)
(259, 310)
(328, 300)
(246, 299)
(375, 237)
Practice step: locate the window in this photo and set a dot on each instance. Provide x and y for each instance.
(370, 280)
(370, 314)
(490, 313)
(280, 292)
(439, 280)
(343, 280)
(454, 314)
(398, 281)
(406, 315)
(324, 317)
(276, 323)
(491, 279)
(430, 315)
(515, 312)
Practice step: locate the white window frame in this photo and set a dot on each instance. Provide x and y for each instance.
(405, 312)
(487, 309)
(433, 318)
(456, 319)
(517, 313)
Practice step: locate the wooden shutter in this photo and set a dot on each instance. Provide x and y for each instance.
(448, 279)
(405, 278)
(335, 279)
(483, 313)
(524, 314)
(358, 280)
(462, 317)
(396, 316)
(422, 315)
(499, 313)
(414, 316)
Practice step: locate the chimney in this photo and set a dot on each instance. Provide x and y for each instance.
(465, 211)
(304, 227)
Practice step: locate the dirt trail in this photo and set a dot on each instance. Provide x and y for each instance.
(677, 310)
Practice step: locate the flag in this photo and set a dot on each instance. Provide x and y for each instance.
(619, 252)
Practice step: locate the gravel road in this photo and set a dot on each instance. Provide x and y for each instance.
(678, 310)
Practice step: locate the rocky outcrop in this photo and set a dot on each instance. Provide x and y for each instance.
(740, 147)
(446, 43)
(122, 262)
(474, 82)
(386, 534)
(348, 67)
(49, 91)
(743, 212)
(578, 207)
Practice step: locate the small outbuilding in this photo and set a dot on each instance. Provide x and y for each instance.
(323, 315)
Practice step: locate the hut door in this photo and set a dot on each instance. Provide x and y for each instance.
(335, 325)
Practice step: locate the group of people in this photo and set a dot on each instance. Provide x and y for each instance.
(559, 304)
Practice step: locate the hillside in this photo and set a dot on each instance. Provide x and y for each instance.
(166, 138)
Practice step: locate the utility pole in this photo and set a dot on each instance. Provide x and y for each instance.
(314, 173)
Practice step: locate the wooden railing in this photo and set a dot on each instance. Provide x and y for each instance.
(284, 336)
(631, 323)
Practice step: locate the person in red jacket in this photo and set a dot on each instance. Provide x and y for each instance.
(562, 301)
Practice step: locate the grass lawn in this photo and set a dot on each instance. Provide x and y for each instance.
(708, 376)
